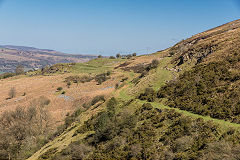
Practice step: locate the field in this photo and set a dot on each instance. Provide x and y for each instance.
(46, 86)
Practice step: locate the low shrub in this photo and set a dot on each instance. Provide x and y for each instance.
(111, 105)
(69, 84)
(124, 79)
(208, 89)
(43, 101)
(154, 64)
(108, 73)
(59, 89)
(78, 79)
(97, 99)
(112, 57)
(134, 54)
(117, 85)
(147, 106)
(149, 95)
(100, 78)
(7, 75)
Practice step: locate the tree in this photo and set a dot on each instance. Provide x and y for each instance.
(12, 93)
(154, 64)
(111, 106)
(134, 54)
(97, 99)
(108, 73)
(22, 128)
(69, 84)
(148, 95)
(99, 56)
(112, 57)
(100, 78)
(171, 54)
(59, 89)
(129, 56)
(118, 55)
(19, 70)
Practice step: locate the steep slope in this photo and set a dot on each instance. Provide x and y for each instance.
(180, 103)
(212, 45)
(211, 87)
(33, 58)
(129, 128)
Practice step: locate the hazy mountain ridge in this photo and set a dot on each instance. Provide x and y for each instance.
(33, 58)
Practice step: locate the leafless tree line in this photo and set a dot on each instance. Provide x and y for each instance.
(23, 129)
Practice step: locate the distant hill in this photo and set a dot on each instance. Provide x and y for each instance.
(34, 58)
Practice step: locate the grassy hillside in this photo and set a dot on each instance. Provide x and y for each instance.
(180, 103)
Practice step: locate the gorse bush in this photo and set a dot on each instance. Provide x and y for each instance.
(100, 78)
(59, 88)
(111, 106)
(151, 133)
(7, 75)
(154, 64)
(69, 84)
(143, 69)
(108, 73)
(134, 54)
(97, 99)
(208, 89)
(78, 79)
(112, 57)
(149, 95)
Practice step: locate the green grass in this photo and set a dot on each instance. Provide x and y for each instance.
(98, 65)
(159, 78)
(123, 95)
(162, 75)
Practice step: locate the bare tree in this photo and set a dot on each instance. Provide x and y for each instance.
(134, 54)
(24, 128)
(118, 55)
(12, 93)
(19, 70)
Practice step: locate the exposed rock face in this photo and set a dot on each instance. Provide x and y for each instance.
(202, 45)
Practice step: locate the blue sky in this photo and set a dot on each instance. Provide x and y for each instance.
(109, 26)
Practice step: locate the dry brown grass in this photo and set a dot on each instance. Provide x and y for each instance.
(215, 44)
(38, 86)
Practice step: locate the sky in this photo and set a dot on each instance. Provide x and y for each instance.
(109, 27)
